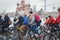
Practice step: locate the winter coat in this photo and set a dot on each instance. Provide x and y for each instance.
(46, 21)
(25, 21)
(51, 19)
(32, 20)
(57, 19)
(37, 17)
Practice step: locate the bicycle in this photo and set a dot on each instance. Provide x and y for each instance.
(32, 36)
(4, 33)
(21, 31)
(13, 35)
(50, 34)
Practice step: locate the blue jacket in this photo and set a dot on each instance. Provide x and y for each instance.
(25, 21)
(6, 19)
(20, 19)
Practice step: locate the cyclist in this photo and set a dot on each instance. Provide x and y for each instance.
(57, 23)
(46, 20)
(1, 20)
(25, 21)
(1, 23)
(51, 20)
(58, 18)
(31, 18)
(37, 19)
(6, 22)
(32, 22)
(15, 21)
(20, 20)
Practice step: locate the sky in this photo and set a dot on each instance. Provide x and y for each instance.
(10, 5)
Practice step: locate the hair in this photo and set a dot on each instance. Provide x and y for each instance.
(49, 16)
(46, 17)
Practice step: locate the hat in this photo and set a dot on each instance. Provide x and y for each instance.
(31, 12)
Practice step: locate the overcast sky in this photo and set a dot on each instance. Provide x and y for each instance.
(10, 5)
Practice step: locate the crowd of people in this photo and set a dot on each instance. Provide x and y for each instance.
(27, 20)
(30, 19)
(5, 22)
(51, 21)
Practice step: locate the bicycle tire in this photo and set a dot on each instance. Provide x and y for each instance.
(52, 37)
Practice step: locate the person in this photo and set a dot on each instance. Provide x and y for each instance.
(20, 20)
(57, 22)
(15, 20)
(1, 20)
(25, 21)
(20, 23)
(51, 19)
(58, 17)
(7, 21)
(37, 19)
(31, 18)
(46, 20)
(32, 23)
(1, 23)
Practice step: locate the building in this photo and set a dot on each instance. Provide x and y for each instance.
(22, 6)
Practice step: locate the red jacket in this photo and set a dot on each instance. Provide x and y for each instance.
(57, 19)
(51, 19)
(37, 17)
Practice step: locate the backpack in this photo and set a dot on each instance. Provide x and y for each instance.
(37, 17)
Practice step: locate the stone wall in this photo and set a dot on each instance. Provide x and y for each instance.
(9, 14)
(43, 15)
(54, 14)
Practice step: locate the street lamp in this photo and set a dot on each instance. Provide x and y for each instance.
(53, 9)
(45, 6)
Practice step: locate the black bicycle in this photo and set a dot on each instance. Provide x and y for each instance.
(50, 34)
(4, 33)
(31, 35)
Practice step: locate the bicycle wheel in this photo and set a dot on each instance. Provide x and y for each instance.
(13, 34)
(1, 38)
(49, 37)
